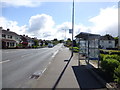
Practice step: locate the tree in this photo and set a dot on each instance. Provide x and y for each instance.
(61, 41)
(116, 41)
(74, 43)
(36, 42)
(55, 39)
(68, 39)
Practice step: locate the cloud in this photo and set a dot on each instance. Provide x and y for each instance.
(40, 22)
(41, 25)
(17, 3)
(106, 21)
(12, 25)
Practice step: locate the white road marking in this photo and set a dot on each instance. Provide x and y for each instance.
(4, 61)
(44, 70)
(27, 55)
(49, 62)
(55, 53)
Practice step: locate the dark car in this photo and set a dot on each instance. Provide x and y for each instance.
(50, 45)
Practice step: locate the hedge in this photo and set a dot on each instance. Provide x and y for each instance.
(75, 49)
(111, 57)
(111, 52)
(109, 65)
(117, 74)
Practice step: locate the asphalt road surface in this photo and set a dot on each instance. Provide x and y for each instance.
(19, 64)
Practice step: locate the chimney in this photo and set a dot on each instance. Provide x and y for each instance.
(1, 28)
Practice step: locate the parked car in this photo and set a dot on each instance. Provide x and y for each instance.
(50, 45)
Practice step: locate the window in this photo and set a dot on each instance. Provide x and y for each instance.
(9, 36)
(3, 35)
(110, 42)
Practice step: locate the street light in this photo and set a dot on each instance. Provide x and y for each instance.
(72, 27)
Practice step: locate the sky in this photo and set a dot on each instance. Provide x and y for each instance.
(49, 20)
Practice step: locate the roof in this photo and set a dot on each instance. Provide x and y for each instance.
(9, 32)
(25, 38)
(106, 37)
(86, 36)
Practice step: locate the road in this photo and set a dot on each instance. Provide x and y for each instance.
(19, 64)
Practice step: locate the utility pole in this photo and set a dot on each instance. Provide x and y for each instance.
(72, 26)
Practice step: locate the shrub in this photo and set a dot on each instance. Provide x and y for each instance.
(112, 57)
(109, 65)
(102, 56)
(117, 74)
(75, 49)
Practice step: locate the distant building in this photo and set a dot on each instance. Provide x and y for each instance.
(26, 41)
(107, 41)
(9, 39)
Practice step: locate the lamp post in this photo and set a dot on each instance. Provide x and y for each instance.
(72, 27)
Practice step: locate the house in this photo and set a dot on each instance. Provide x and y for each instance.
(107, 41)
(9, 39)
(26, 41)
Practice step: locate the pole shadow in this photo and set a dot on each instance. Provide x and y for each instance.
(86, 80)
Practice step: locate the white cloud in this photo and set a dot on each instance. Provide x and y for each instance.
(12, 25)
(106, 21)
(41, 25)
(26, 3)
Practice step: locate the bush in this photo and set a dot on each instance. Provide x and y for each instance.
(117, 74)
(109, 65)
(102, 56)
(111, 52)
(75, 49)
(112, 57)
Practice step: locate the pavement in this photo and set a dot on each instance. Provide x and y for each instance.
(62, 73)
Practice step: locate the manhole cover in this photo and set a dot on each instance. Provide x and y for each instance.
(36, 75)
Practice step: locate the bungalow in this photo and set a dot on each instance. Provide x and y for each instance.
(107, 41)
(9, 39)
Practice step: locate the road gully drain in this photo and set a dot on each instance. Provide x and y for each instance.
(36, 75)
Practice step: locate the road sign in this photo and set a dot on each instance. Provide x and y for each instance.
(70, 30)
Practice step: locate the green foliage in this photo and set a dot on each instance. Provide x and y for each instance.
(75, 49)
(109, 65)
(117, 74)
(34, 46)
(111, 52)
(68, 43)
(116, 57)
(102, 56)
(55, 42)
(19, 45)
(36, 42)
